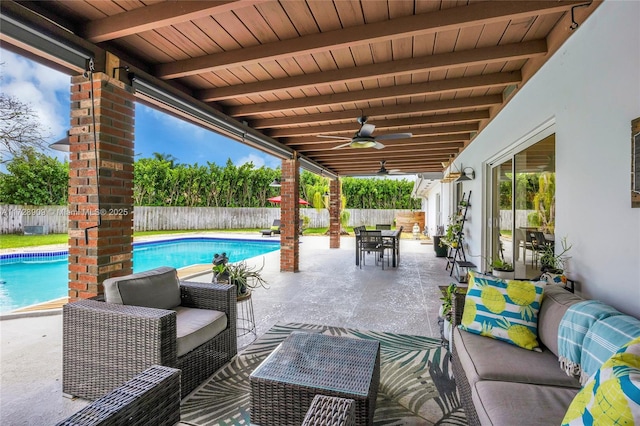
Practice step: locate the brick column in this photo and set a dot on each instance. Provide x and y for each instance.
(108, 250)
(334, 213)
(290, 216)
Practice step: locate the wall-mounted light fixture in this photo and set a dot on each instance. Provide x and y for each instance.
(61, 144)
(275, 183)
(467, 174)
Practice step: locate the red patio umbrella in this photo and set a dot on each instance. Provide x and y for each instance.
(278, 199)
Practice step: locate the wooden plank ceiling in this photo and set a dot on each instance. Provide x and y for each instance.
(295, 70)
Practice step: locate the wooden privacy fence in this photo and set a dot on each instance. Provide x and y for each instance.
(53, 219)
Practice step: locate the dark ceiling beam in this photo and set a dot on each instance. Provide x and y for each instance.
(453, 133)
(408, 172)
(456, 117)
(433, 156)
(374, 165)
(382, 93)
(321, 144)
(155, 16)
(408, 149)
(384, 111)
(433, 130)
(466, 58)
(461, 117)
(390, 165)
(456, 18)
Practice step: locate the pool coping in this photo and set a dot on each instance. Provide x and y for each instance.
(184, 273)
(33, 311)
(41, 252)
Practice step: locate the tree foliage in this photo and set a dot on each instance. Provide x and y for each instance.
(34, 179)
(20, 128)
(160, 181)
(526, 187)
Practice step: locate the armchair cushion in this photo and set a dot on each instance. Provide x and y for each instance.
(195, 327)
(157, 288)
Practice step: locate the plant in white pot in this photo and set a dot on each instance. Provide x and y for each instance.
(502, 269)
(445, 310)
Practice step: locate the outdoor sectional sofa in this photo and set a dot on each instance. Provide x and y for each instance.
(503, 384)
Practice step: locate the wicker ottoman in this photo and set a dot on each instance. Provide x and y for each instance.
(310, 364)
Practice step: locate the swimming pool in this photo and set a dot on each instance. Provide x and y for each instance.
(30, 278)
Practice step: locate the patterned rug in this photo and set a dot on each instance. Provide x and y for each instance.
(416, 384)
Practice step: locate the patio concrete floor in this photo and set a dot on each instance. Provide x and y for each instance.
(329, 289)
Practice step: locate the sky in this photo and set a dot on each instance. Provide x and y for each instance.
(47, 92)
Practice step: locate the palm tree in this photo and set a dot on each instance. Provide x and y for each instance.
(161, 156)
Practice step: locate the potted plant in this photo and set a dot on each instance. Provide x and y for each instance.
(502, 269)
(552, 262)
(448, 295)
(245, 277)
(453, 233)
(220, 274)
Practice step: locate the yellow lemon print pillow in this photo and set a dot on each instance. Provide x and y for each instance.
(503, 309)
(612, 394)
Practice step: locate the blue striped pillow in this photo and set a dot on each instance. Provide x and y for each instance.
(506, 310)
(611, 396)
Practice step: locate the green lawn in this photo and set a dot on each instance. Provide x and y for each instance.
(17, 241)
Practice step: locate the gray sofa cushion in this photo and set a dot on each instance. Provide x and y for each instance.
(484, 358)
(197, 326)
(510, 404)
(555, 303)
(156, 288)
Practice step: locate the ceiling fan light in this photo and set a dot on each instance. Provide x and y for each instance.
(362, 144)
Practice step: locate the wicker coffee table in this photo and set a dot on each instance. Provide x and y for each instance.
(308, 364)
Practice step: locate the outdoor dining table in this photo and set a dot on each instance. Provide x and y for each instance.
(390, 236)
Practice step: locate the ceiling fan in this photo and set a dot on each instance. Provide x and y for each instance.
(363, 137)
(383, 170)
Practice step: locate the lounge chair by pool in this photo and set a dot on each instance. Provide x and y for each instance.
(275, 229)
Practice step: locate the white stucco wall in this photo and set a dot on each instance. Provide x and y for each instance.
(590, 88)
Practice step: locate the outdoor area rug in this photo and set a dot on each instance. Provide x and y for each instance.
(416, 383)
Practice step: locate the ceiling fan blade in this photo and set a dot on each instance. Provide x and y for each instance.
(342, 146)
(342, 138)
(390, 136)
(378, 145)
(396, 172)
(366, 129)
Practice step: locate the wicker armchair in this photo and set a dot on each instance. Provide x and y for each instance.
(106, 344)
(150, 398)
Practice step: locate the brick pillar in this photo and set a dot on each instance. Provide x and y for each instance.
(108, 251)
(335, 198)
(290, 216)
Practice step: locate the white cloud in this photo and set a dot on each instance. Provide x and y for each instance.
(39, 87)
(257, 160)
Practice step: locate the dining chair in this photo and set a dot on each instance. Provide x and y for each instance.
(392, 244)
(383, 226)
(539, 244)
(371, 241)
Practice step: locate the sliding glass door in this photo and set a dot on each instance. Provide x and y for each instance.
(523, 207)
(502, 229)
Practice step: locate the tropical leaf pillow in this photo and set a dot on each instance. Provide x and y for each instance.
(611, 396)
(506, 310)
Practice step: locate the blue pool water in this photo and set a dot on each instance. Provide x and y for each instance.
(30, 278)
